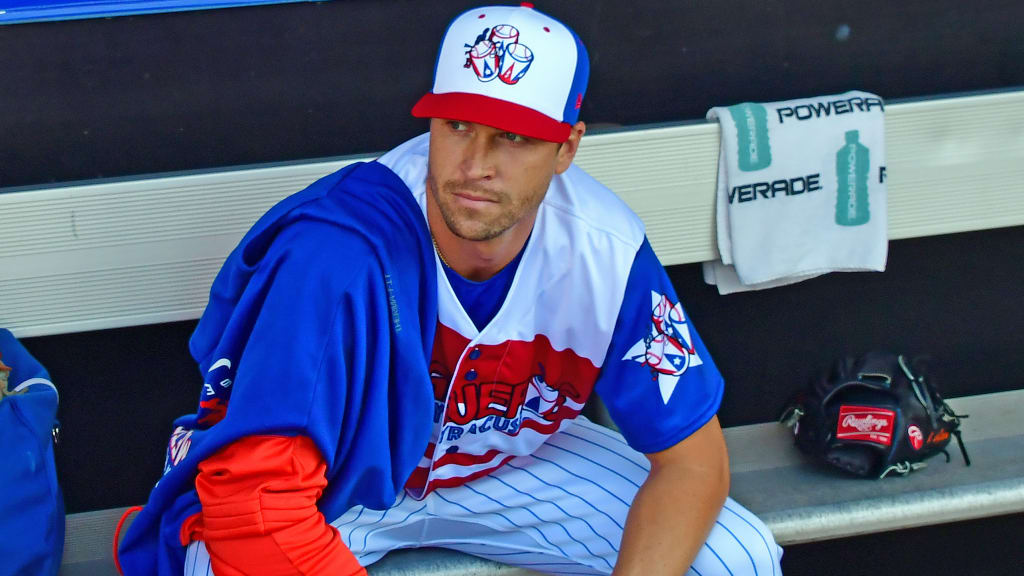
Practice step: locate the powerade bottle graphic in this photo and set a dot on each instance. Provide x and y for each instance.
(755, 152)
(852, 164)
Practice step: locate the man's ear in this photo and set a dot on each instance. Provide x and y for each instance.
(567, 150)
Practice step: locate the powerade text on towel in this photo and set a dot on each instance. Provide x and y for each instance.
(801, 190)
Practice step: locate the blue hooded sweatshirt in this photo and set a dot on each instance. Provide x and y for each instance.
(320, 323)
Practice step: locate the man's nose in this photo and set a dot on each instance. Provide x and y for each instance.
(478, 159)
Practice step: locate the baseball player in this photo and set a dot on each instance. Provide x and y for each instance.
(398, 355)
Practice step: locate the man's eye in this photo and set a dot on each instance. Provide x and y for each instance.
(513, 137)
(456, 125)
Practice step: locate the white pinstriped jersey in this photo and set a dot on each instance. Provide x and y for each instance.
(503, 389)
(589, 309)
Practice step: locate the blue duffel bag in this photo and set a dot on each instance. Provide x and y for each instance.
(31, 503)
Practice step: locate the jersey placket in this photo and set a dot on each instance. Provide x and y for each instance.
(445, 290)
(465, 373)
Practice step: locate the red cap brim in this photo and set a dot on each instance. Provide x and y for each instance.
(492, 112)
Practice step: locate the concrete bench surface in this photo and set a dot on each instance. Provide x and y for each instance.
(799, 500)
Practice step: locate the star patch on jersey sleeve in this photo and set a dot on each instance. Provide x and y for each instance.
(668, 348)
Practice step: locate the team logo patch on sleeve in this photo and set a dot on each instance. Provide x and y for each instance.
(213, 401)
(177, 447)
(668, 348)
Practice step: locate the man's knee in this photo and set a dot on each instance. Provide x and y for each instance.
(752, 559)
(739, 544)
(764, 554)
(765, 557)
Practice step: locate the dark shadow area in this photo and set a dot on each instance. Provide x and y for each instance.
(986, 547)
(946, 298)
(119, 392)
(134, 95)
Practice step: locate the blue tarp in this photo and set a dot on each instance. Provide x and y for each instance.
(19, 11)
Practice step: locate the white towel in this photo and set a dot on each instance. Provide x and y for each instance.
(801, 190)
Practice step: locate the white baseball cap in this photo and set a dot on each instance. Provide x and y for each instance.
(510, 67)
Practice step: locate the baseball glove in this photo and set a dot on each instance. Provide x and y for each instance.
(873, 416)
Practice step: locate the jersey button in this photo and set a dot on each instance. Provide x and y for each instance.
(474, 354)
(471, 375)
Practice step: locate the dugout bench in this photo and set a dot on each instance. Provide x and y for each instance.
(799, 501)
(144, 251)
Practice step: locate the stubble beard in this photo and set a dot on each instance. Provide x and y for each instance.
(470, 224)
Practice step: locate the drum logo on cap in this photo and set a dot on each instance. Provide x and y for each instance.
(497, 53)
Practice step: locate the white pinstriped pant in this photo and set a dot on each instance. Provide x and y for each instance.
(559, 510)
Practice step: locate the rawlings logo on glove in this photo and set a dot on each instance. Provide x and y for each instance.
(873, 416)
(865, 423)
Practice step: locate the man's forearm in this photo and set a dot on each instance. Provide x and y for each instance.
(677, 505)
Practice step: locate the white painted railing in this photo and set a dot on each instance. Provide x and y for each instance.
(114, 254)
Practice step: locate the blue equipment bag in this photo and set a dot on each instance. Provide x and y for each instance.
(31, 503)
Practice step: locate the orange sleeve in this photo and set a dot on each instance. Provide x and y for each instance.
(259, 512)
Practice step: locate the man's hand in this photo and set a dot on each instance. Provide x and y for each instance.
(676, 506)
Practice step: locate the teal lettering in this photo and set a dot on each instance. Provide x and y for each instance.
(754, 151)
(751, 124)
(852, 165)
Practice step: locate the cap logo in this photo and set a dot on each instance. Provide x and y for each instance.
(497, 53)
